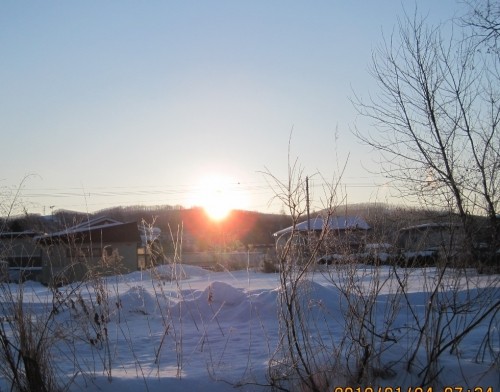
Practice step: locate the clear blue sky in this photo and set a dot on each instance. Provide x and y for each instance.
(135, 102)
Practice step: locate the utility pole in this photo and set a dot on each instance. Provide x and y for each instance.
(307, 205)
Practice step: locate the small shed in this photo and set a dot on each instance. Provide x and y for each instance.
(20, 256)
(341, 231)
(427, 243)
(431, 236)
(333, 223)
(99, 246)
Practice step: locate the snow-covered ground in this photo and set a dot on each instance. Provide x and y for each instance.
(213, 331)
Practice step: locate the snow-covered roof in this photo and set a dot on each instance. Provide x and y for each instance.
(101, 226)
(332, 223)
(94, 222)
(80, 229)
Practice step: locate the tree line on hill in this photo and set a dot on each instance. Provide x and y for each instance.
(241, 230)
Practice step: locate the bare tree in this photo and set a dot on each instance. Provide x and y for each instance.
(484, 20)
(436, 119)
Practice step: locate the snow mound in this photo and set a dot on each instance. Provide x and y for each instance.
(137, 300)
(218, 301)
(167, 272)
(223, 293)
(314, 295)
(264, 303)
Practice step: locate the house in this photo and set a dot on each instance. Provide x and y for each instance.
(333, 223)
(20, 256)
(98, 246)
(342, 233)
(424, 244)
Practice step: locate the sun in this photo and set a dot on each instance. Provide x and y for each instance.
(218, 195)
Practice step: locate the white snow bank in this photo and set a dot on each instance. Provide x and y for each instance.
(210, 331)
(137, 300)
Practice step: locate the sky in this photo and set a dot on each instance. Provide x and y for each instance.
(139, 103)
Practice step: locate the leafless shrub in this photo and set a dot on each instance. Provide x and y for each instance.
(303, 358)
(26, 340)
(457, 302)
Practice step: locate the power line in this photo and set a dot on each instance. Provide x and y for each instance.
(168, 190)
(103, 196)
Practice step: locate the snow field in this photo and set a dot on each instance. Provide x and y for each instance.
(186, 328)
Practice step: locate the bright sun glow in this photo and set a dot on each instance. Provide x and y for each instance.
(219, 195)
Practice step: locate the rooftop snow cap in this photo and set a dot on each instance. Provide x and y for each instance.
(338, 223)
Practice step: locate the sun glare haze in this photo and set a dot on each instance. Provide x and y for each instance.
(218, 195)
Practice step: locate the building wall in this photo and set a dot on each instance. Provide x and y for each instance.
(66, 263)
(20, 256)
(419, 238)
(335, 241)
(20, 252)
